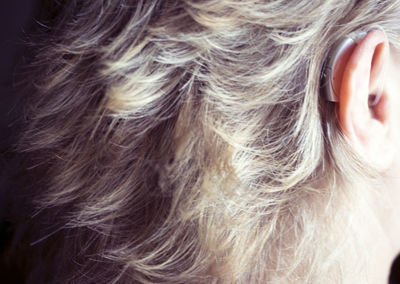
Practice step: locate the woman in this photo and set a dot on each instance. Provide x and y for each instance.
(190, 142)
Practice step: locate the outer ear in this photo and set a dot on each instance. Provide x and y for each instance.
(363, 78)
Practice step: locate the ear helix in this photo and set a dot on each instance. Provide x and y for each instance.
(329, 92)
(327, 83)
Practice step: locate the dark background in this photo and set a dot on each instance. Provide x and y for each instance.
(18, 21)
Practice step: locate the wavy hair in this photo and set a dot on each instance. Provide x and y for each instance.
(185, 141)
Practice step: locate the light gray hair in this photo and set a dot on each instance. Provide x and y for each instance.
(186, 141)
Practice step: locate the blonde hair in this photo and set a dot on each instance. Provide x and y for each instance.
(186, 141)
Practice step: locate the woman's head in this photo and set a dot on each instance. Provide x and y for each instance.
(187, 141)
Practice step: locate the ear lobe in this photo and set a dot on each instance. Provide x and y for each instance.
(362, 119)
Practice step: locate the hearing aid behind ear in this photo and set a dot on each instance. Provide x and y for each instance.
(327, 86)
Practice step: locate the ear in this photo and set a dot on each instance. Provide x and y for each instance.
(365, 124)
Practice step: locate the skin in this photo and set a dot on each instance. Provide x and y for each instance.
(374, 132)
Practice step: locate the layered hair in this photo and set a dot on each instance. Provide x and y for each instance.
(185, 141)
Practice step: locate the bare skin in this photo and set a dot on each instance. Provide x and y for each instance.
(374, 132)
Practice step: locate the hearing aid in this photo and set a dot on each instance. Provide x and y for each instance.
(327, 74)
(328, 89)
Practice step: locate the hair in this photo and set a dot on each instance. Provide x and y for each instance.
(187, 141)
